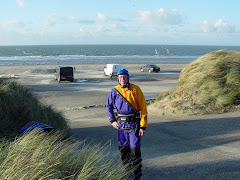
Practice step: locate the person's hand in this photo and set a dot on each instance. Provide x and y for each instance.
(115, 124)
(141, 132)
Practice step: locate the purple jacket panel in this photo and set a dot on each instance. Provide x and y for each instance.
(114, 101)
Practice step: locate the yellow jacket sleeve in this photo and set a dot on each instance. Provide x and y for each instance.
(142, 107)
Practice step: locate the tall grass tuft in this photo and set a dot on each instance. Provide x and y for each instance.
(18, 106)
(209, 84)
(41, 155)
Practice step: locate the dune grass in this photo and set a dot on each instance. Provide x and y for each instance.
(18, 106)
(209, 84)
(46, 155)
(40, 155)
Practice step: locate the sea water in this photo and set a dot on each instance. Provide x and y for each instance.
(104, 54)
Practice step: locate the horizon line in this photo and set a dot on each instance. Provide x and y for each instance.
(118, 45)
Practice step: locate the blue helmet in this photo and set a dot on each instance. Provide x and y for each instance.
(123, 71)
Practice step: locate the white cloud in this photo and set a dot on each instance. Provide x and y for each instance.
(20, 3)
(220, 26)
(13, 23)
(140, 34)
(160, 17)
(101, 17)
(225, 27)
(98, 28)
(81, 33)
(206, 27)
(238, 29)
(117, 26)
(81, 30)
(95, 30)
(53, 19)
(113, 26)
(85, 21)
(71, 18)
(119, 20)
(42, 32)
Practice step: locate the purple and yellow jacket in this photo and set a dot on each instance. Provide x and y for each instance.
(134, 96)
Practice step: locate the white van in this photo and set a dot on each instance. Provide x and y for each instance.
(112, 69)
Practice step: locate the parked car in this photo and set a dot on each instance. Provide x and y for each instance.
(150, 68)
(112, 69)
(64, 73)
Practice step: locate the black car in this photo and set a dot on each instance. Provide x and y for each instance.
(63, 73)
(150, 68)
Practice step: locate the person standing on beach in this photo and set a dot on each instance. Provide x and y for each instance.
(130, 119)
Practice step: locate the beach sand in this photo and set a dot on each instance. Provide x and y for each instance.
(82, 101)
(85, 98)
(90, 86)
(171, 144)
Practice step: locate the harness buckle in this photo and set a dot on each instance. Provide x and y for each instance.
(128, 117)
(125, 118)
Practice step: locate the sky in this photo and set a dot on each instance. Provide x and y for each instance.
(160, 22)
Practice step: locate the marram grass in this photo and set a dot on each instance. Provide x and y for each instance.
(18, 106)
(39, 155)
(209, 84)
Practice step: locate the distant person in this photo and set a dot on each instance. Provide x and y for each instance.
(130, 119)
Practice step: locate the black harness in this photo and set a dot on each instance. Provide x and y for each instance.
(127, 118)
(130, 117)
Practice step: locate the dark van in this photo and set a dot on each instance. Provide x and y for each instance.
(64, 73)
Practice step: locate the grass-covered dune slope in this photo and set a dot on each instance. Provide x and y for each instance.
(38, 155)
(210, 84)
(18, 106)
(43, 155)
